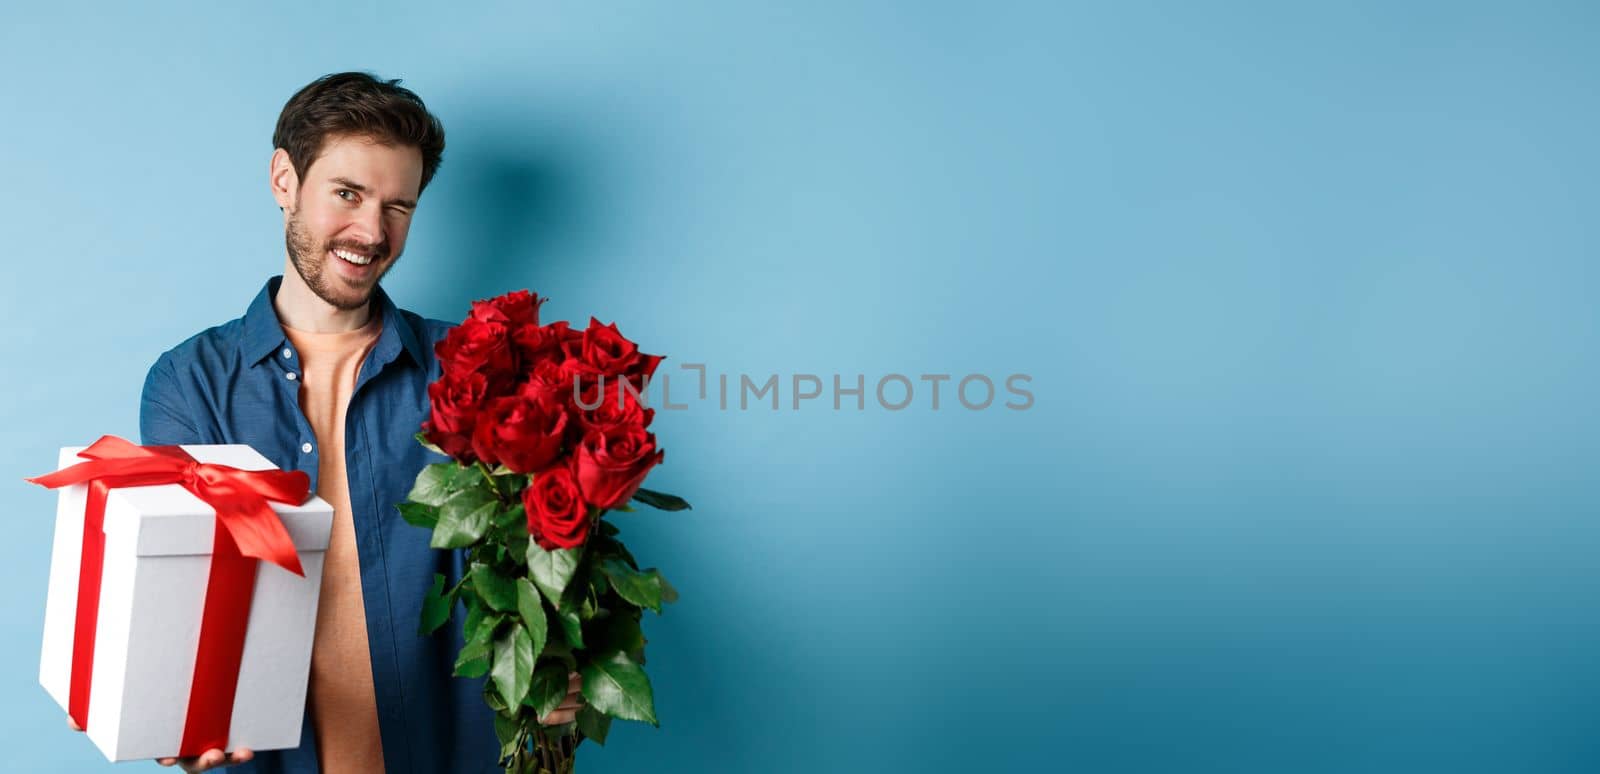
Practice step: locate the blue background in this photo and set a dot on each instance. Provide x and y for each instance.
(1307, 297)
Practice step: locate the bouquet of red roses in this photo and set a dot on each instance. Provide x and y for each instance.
(547, 430)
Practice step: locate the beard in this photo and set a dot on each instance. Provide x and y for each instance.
(310, 262)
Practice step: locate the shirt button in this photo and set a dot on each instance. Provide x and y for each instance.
(290, 376)
(305, 447)
(287, 352)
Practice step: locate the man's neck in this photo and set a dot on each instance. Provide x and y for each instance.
(303, 310)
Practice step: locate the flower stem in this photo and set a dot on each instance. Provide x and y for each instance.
(489, 477)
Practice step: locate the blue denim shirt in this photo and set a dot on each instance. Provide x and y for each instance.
(238, 382)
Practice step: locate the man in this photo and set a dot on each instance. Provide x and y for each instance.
(324, 374)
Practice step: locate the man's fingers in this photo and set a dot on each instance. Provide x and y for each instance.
(207, 760)
(568, 711)
(558, 717)
(210, 759)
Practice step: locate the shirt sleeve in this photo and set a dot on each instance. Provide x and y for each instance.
(163, 416)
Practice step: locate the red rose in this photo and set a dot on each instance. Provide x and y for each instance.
(475, 345)
(535, 343)
(578, 376)
(611, 463)
(513, 309)
(455, 401)
(522, 432)
(600, 350)
(546, 380)
(604, 350)
(617, 405)
(557, 515)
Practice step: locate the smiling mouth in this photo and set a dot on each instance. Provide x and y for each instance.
(353, 257)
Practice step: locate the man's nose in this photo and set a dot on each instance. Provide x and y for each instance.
(369, 225)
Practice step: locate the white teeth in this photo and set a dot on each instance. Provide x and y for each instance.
(359, 260)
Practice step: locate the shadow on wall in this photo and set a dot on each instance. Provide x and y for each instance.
(508, 215)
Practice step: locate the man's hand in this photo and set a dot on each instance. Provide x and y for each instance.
(568, 711)
(210, 759)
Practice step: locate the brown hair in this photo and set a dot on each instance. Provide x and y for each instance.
(360, 105)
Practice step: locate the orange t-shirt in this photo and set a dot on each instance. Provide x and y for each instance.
(344, 708)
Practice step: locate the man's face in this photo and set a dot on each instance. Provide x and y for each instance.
(345, 225)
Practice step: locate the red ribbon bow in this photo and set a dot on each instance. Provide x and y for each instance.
(240, 496)
(246, 527)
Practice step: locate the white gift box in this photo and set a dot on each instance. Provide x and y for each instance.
(158, 542)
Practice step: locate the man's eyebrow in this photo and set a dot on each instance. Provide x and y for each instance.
(359, 188)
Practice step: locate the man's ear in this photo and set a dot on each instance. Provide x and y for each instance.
(282, 180)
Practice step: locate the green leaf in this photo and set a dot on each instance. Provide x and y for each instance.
(436, 483)
(642, 589)
(475, 615)
(620, 631)
(589, 607)
(473, 660)
(532, 613)
(431, 486)
(593, 723)
(549, 688)
(516, 543)
(475, 648)
(475, 664)
(498, 591)
(463, 519)
(668, 593)
(571, 625)
(419, 515)
(491, 696)
(511, 486)
(435, 607)
(507, 729)
(513, 664)
(510, 517)
(422, 438)
(606, 546)
(617, 686)
(608, 529)
(483, 633)
(598, 584)
(556, 649)
(661, 500)
(552, 570)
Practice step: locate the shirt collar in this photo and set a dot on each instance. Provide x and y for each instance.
(263, 331)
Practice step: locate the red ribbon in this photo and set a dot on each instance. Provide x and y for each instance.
(247, 530)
